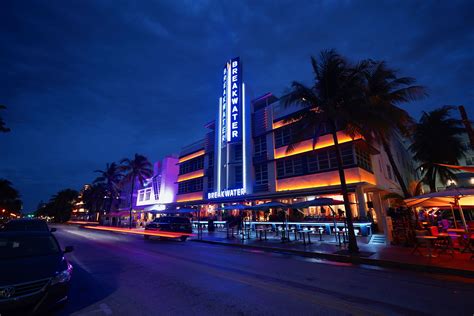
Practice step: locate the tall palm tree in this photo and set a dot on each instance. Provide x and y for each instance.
(93, 197)
(136, 169)
(436, 140)
(9, 198)
(330, 101)
(3, 128)
(379, 118)
(110, 178)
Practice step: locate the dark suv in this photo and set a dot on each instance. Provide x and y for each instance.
(172, 224)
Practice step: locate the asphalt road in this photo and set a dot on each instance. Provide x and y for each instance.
(117, 274)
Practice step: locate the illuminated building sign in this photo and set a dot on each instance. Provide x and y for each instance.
(231, 104)
(225, 193)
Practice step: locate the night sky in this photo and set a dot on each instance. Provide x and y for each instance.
(91, 82)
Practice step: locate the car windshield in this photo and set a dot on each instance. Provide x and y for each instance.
(27, 246)
(26, 226)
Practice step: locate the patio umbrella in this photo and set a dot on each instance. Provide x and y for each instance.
(318, 202)
(458, 197)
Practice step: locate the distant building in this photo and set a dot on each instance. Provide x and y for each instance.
(149, 198)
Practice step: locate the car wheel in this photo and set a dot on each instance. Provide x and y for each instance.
(183, 238)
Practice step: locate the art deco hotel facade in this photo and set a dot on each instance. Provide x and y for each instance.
(243, 159)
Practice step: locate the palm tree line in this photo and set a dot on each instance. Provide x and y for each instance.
(363, 99)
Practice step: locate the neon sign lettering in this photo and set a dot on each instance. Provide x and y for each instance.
(225, 193)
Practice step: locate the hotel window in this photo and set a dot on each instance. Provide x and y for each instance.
(282, 136)
(326, 159)
(147, 194)
(141, 194)
(323, 160)
(191, 165)
(238, 152)
(238, 176)
(210, 183)
(289, 167)
(211, 160)
(194, 185)
(261, 174)
(260, 145)
(363, 159)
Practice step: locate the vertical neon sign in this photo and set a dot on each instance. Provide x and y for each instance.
(234, 101)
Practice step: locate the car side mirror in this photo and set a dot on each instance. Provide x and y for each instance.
(53, 230)
(68, 249)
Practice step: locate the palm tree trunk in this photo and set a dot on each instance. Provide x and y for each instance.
(396, 172)
(131, 202)
(433, 180)
(353, 248)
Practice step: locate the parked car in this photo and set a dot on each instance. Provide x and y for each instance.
(35, 275)
(171, 224)
(26, 224)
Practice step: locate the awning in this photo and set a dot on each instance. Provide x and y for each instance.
(318, 202)
(463, 196)
(463, 168)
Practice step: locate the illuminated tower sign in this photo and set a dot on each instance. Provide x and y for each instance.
(231, 134)
(231, 103)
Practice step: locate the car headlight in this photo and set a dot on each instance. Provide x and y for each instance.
(63, 276)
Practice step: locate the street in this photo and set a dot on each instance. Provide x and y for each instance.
(117, 274)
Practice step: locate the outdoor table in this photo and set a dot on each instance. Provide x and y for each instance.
(446, 242)
(295, 231)
(307, 232)
(429, 240)
(285, 235)
(320, 231)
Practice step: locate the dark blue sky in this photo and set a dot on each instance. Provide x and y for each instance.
(91, 82)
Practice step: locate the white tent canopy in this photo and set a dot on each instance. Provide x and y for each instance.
(457, 197)
(464, 197)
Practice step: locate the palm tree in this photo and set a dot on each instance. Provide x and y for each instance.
(60, 205)
(137, 169)
(380, 118)
(436, 140)
(9, 198)
(93, 197)
(110, 179)
(330, 101)
(3, 128)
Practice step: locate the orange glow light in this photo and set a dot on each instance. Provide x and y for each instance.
(305, 146)
(282, 123)
(195, 196)
(139, 232)
(191, 156)
(353, 175)
(191, 175)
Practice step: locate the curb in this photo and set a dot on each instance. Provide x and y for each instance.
(352, 259)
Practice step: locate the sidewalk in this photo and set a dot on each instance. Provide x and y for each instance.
(371, 254)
